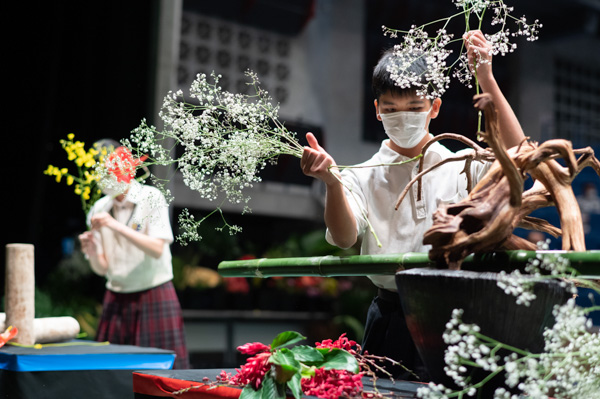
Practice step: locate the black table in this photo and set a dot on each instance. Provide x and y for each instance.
(165, 383)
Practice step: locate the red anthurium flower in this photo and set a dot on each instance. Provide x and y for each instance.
(122, 165)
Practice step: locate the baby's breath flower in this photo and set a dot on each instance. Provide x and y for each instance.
(222, 141)
(417, 42)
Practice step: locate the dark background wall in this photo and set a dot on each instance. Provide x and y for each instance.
(74, 67)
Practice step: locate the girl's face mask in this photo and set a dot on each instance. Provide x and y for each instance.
(404, 128)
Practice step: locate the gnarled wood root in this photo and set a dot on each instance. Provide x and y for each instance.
(486, 219)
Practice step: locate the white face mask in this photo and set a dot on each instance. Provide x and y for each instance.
(406, 129)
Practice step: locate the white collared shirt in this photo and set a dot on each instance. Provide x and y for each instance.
(129, 269)
(376, 190)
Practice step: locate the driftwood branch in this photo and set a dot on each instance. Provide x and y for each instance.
(486, 219)
(480, 154)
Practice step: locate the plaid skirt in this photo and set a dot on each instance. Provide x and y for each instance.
(150, 318)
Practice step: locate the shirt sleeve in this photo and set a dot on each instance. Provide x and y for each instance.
(356, 201)
(157, 216)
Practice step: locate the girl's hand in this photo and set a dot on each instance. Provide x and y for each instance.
(103, 219)
(88, 243)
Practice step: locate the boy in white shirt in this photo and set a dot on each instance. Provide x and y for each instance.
(374, 191)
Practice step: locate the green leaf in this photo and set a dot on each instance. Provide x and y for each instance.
(286, 338)
(285, 358)
(307, 354)
(271, 390)
(286, 365)
(307, 372)
(295, 386)
(249, 393)
(339, 359)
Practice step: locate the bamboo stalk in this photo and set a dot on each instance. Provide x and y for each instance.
(586, 262)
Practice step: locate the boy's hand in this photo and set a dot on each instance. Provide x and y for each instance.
(479, 54)
(316, 161)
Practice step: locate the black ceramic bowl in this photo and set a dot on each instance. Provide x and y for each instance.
(429, 296)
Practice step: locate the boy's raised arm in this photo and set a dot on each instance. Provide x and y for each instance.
(479, 49)
(317, 163)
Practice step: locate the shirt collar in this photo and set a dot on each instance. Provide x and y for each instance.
(134, 196)
(390, 156)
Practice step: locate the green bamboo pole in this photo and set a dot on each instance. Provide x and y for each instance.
(587, 263)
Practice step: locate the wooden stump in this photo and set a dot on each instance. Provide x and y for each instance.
(20, 291)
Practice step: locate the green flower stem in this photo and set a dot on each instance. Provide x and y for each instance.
(446, 20)
(380, 164)
(499, 345)
(592, 309)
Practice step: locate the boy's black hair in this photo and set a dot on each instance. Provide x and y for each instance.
(382, 81)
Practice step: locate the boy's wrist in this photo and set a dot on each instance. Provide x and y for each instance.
(486, 80)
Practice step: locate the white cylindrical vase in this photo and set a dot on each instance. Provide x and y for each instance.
(19, 301)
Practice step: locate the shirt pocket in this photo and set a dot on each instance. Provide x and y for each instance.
(452, 199)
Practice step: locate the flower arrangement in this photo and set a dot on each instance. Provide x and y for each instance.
(435, 48)
(225, 140)
(330, 370)
(100, 167)
(568, 367)
(85, 180)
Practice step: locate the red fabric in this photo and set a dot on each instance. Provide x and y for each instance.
(164, 387)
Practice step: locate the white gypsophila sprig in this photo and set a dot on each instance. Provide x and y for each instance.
(544, 265)
(569, 366)
(218, 140)
(517, 285)
(107, 181)
(417, 42)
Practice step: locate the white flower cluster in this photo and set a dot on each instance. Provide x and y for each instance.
(107, 181)
(569, 367)
(546, 264)
(464, 344)
(222, 140)
(417, 43)
(518, 285)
